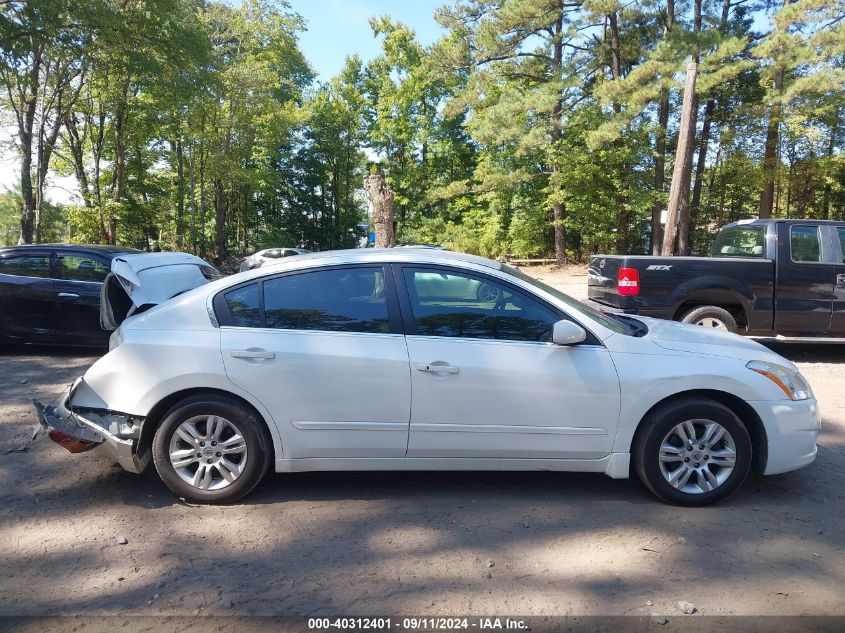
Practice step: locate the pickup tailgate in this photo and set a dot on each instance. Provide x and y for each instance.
(664, 284)
(602, 279)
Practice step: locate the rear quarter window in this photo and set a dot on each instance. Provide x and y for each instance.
(739, 241)
(244, 305)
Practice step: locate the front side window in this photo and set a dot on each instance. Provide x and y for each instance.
(83, 268)
(804, 244)
(841, 230)
(461, 305)
(334, 300)
(739, 241)
(244, 306)
(25, 265)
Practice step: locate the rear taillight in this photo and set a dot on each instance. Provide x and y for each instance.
(628, 282)
(73, 444)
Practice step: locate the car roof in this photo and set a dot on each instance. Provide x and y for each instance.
(765, 221)
(102, 249)
(410, 254)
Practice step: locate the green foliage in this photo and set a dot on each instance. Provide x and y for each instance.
(199, 125)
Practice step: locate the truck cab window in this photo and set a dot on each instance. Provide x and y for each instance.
(804, 244)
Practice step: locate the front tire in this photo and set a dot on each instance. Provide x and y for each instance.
(211, 449)
(711, 317)
(692, 452)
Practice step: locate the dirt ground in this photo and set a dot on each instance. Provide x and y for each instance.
(421, 543)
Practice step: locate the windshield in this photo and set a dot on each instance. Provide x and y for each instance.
(739, 241)
(609, 321)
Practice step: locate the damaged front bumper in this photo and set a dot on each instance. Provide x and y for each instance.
(115, 434)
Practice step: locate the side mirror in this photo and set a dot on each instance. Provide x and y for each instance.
(568, 333)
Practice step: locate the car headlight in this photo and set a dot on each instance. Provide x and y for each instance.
(791, 382)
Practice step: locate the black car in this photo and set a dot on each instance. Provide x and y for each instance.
(50, 293)
(765, 278)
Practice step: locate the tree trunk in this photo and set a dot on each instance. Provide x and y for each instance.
(180, 193)
(660, 147)
(701, 163)
(26, 120)
(679, 189)
(77, 155)
(659, 171)
(555, 132)
(219, 220)
(119, 176)
(770, 154)
(381, 199)
(620, 198)
(827, 188)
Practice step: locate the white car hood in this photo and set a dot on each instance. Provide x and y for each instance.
(146, 280)
(696, 339)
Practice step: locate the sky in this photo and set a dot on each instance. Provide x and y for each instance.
(338, 28)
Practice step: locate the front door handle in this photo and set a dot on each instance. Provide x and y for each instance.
(68, 295)
(840, 280)
(253, 354)
(436, 368)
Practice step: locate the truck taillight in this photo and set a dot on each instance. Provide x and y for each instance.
(628, 282)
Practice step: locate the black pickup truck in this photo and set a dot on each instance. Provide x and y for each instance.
(765, 278)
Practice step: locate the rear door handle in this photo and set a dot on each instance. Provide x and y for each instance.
(68, 295)
(253, 354)
(434, 368)
(840, 280)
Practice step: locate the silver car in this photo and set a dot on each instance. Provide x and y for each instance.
(260, 258)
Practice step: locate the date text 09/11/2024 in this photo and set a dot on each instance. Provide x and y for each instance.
(417, 623)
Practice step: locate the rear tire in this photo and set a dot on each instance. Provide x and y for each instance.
(692, 473)
(211, 449)
(712, 317)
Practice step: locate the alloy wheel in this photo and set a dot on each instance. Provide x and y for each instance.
(208, 452)
(697, 456)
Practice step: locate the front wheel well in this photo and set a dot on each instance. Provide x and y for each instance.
(744, 411)
(157, 413)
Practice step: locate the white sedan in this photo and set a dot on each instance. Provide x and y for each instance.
(269, 256)
(418, 359)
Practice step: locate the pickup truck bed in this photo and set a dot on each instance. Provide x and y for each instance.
(781, 277)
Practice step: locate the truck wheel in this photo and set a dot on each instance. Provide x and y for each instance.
(692, 452)
(712, 317)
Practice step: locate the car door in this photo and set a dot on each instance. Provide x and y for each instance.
(486, 381)
(323, 350)
(78, 286)
(27, 289)
(805, 280)
(837, 322)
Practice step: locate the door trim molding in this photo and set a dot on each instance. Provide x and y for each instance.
(506, 428)
(350, 425)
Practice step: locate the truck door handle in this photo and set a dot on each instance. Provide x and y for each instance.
(435, 368)
(253, 354)
(840, 280)
(68, 295)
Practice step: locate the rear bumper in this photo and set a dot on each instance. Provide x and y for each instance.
(791, 428)
(105, 431)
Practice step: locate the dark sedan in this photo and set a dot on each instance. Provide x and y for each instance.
(50, 293)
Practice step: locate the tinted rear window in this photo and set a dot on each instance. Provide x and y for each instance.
(25, 265)
(339, 300)
(739, 241)
(244, 306)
